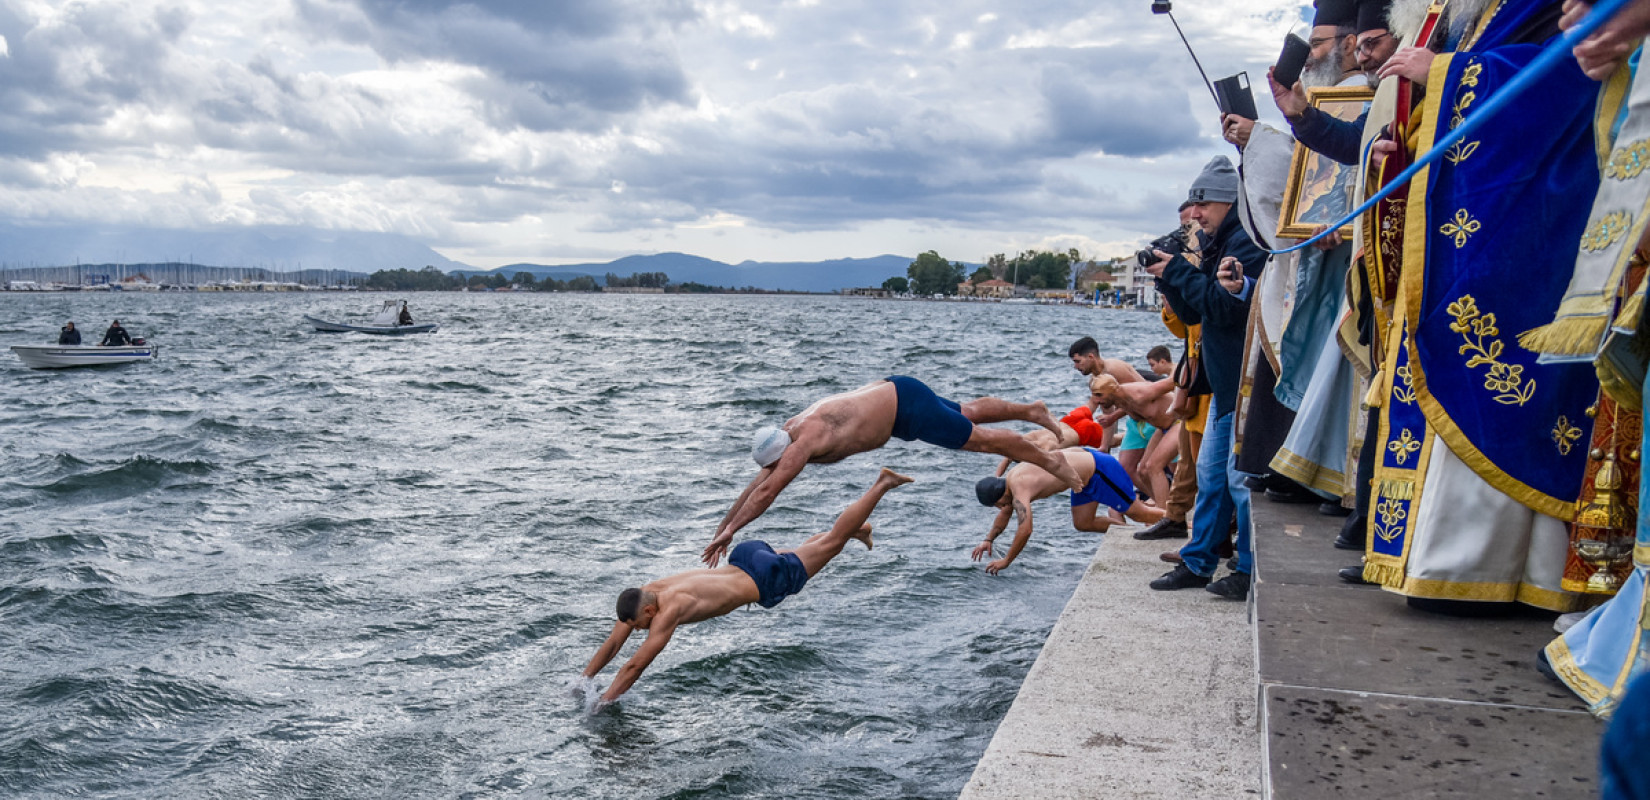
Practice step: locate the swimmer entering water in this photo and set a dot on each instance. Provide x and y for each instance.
(755, 574)
(864, 419)
(1107, 483)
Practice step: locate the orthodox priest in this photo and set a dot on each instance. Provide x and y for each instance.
(1479, 465)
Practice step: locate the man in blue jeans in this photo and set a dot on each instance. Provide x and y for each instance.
(1215, 292)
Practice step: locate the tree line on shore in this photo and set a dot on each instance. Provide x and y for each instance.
(430, 279)
(932, 274)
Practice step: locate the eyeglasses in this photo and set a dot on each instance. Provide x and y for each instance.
(1368, 45)
(1313, 43)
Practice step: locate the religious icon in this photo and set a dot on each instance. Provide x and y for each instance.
(1321, 190)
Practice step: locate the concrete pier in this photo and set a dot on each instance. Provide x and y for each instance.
(1154, 694)
(1136, 694)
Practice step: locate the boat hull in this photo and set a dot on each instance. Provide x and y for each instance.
(380, 330)
(62, 356)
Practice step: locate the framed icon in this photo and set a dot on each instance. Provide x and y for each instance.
(1322, 190)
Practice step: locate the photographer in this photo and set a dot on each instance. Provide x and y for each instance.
(1216, 295)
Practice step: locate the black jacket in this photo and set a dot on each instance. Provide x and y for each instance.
(116, 337)
(1199, 299)
(68, 335)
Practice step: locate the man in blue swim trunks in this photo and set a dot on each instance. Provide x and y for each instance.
(865, 419)
(1105, 482)
(755, 574)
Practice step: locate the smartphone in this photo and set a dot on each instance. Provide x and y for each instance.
(1291, 61)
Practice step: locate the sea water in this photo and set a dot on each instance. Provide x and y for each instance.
(281, 563)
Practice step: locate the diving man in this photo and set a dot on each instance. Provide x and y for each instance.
(755, 573)
(864, 419)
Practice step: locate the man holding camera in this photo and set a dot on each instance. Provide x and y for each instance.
(1216, 295)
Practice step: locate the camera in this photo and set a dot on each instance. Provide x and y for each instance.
(1173, 243)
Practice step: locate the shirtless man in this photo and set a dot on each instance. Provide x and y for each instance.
(864, 419)
(1149, 403)
(1103, 482)
(755, 574)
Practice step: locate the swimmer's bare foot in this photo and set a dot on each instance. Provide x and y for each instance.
(892, 478)
(864, 534)
(1064, 472)
(1039, 415)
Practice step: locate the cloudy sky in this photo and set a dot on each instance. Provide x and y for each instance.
(559, 131)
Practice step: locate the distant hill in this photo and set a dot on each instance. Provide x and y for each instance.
(795, 276)
(279, 249)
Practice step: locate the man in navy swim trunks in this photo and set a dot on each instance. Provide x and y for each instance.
(755, 574)
(865, 419)
(1105, 482)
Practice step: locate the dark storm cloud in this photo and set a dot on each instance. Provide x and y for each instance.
(568, 64)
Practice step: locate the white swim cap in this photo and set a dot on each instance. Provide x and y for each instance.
(769, 445)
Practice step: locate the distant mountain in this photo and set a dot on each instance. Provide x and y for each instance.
(279, 249)
(795, 276)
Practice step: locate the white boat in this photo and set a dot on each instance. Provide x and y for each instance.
(385, 323)
(60, 356)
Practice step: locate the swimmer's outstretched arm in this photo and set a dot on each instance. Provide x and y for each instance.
(658, 635)
(1022, 534)
(987, 548)
(609, 649)
(754, 503)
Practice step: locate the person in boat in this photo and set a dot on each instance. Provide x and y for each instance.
(68, 335)
(115, 336)
(755, 573)
(864, 419)
(1106, 483)
(406, 316)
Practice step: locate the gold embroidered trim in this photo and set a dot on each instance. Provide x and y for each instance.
(1397, 489)
(1460, 151)
(1404, 392)
(1405, 445)
(1563, 663)
(1606, 232)
(1390, 516)
(1507, 380)
(1627, 161)
(1460, 228)
(1565, 435)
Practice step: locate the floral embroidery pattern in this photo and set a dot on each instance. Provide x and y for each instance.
(1392, 227)
(1565, 435)
(1478, 331)
(1627, 161)
(1462, 227)
(1404, 390)
(1460, 151)
(1390, 515)
(1606, 231)
(1403, 446)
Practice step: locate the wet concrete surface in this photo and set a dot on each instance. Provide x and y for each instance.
(1362, 696)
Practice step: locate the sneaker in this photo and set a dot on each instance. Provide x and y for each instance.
(1180, 577)
(1164, 528)
(1232, 587)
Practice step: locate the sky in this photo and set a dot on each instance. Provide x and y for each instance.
(564, 131)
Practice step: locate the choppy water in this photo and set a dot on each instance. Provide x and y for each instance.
(279, 563)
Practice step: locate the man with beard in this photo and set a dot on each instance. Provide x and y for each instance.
(1333, 59)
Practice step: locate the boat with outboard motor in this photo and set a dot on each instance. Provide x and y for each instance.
(60, 356)
(392, 320)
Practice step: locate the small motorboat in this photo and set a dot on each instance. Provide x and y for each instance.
(60, 356)
(389, 321)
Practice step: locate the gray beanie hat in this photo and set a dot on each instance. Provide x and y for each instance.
(1218, 183)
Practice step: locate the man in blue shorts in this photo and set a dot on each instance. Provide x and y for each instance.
(865, 419)
(755, 574)
(1104, 483)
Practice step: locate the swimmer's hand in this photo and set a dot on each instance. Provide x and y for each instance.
(714, 551)
(997, 566)
(987, 548)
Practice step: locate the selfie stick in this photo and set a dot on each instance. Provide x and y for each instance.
(1162, 7)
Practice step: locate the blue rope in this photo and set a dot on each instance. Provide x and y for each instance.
(1475, 118)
